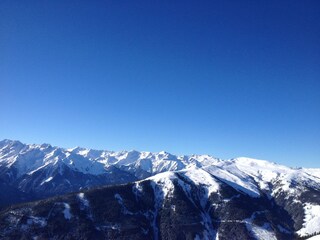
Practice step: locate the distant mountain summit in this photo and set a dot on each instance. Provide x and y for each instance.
(152, 195)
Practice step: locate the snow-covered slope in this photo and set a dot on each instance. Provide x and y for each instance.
(44, 170)
(184, 204)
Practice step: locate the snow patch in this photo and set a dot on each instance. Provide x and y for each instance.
(83, 200)
(173, 208)
(66, 212)
(228, 172)
(201, 177)
(314, 238)
(164, 184)
(311, 220)
(261, 232)
(47, 180)
(37, 221)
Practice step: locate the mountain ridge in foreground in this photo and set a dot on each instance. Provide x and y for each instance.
(143, 195)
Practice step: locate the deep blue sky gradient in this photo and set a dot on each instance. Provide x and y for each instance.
(227, 78)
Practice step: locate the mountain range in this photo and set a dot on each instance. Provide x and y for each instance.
(50, 192)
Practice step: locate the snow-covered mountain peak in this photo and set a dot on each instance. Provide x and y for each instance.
(163, 153)
(48, 170)
(161, 176)
(245, 174)
(76, 149)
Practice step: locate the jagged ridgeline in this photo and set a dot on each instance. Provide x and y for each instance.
(143, 195)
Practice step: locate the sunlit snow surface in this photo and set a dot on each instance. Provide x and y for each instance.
(201, 177)
(47, 180)
(314, 238)
(164, 184)
(249, 176)
(244, 174)
(261, 232)
(311, 220)
(83, 200)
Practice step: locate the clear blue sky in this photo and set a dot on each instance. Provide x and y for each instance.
(226, 78)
